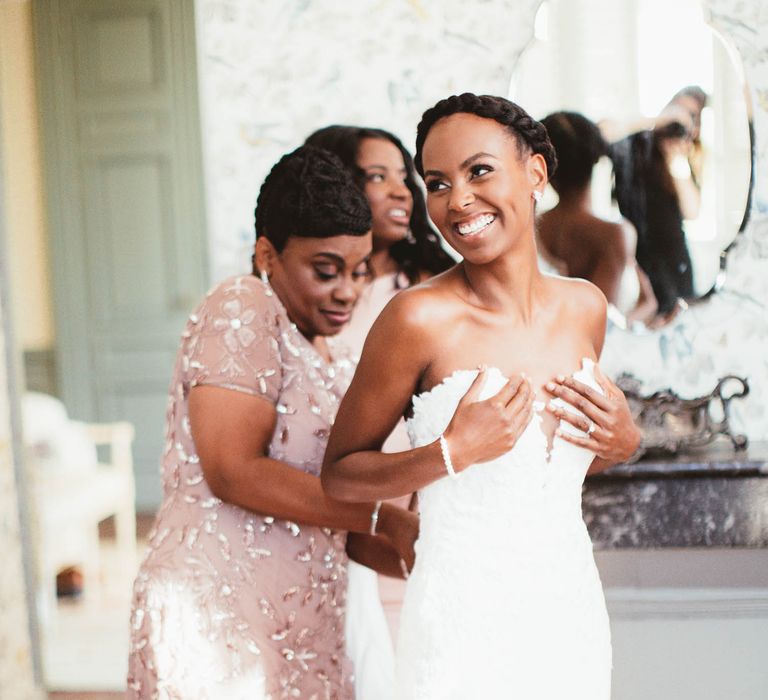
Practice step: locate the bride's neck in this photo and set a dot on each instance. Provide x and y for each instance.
(507, 284)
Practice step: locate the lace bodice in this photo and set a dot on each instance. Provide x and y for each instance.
(504, 600)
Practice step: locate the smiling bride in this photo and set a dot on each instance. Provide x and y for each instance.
(495, 365)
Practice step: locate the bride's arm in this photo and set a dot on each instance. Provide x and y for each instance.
(396, 355)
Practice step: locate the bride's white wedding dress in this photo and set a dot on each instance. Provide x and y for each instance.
(505, 600)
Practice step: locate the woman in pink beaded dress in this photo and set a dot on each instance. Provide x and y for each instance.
(242, 591)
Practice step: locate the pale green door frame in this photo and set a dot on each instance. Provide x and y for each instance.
(125, 198)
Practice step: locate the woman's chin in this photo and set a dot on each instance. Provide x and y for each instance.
(390, 235)
(476, 254)
(329, 327)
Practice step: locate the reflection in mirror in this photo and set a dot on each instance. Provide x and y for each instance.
(669, 96)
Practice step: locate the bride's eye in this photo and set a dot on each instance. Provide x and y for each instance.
(480, 169)
(435, 185)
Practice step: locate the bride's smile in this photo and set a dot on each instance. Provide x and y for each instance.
(474, 226)
(479, 184)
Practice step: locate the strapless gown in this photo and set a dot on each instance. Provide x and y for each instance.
(505, 600)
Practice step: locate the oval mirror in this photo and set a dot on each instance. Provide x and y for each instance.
(668, 95)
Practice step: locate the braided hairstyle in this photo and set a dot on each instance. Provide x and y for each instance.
(309, 193)
(422, 251)
(530, 135)
(578, 144)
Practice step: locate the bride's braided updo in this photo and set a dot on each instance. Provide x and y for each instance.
(531, 136)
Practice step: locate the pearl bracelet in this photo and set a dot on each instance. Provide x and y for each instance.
(447, 458)
(375, 518)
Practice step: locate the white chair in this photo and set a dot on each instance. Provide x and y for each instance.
(73, 491)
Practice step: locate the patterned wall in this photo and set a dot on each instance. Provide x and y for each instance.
(272, 72)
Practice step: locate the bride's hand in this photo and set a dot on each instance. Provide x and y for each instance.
(483, 430)
(611, 432)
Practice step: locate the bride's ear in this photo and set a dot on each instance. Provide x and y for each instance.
(537, 171)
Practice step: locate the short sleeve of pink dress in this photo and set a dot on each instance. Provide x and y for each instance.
(229, 603)
(234, 342)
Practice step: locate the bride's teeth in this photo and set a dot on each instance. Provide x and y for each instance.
(476, 225)
(397, 212)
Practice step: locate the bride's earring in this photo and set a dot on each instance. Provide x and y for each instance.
(536, 196)
(410, 237)
(265, 279)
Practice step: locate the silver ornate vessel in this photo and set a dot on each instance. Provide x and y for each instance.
(671, 424)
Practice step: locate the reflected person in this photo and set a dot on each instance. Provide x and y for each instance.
(582, 244)
(655, 195)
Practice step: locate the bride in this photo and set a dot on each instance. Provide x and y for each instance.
(495, 365)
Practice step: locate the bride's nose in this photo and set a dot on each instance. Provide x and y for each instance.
(461, 197)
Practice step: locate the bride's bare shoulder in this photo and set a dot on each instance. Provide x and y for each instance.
(405, 332)
(430, 302)
(580, 298)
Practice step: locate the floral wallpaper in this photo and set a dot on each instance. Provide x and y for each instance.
(270, 73)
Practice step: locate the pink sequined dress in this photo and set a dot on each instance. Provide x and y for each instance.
(229, 603)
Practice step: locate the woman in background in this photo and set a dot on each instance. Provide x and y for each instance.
(406, 250)
(242, 591)
(584, 245)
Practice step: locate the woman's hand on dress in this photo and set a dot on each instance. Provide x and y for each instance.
(401, 528)
(611, 432)
(483, 430)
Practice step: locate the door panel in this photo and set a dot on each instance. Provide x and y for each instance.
(118, 91)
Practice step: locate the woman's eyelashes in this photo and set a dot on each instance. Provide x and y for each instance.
(378, 177)
(479, 169)
(327, 274)
(435, 185)
(363, 270)
(475, 171)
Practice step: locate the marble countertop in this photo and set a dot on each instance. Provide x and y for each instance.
(719, 459)
(713, 497)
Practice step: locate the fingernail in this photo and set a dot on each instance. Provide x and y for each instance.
(550, 386)
(560, 378)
